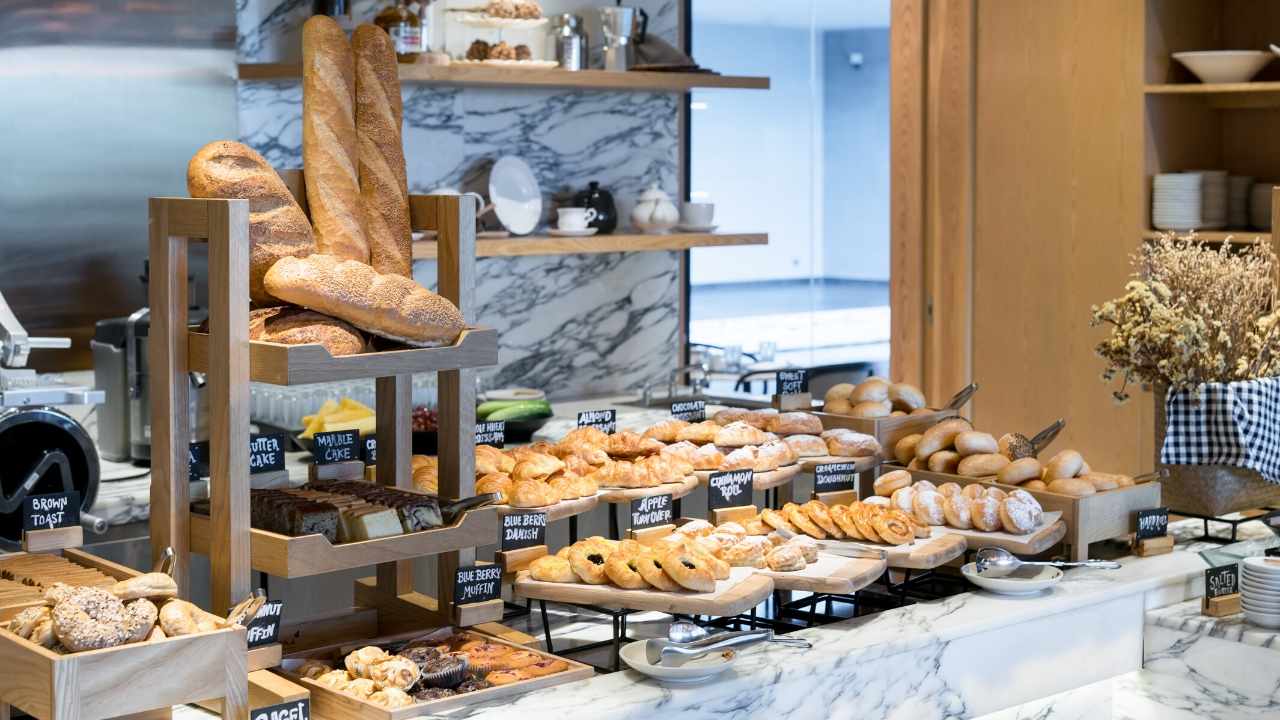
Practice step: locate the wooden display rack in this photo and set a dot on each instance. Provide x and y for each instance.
(230, 360)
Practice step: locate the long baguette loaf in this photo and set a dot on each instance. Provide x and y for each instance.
(329, 153)
(390, 306)
(384, 189)
(277, 225)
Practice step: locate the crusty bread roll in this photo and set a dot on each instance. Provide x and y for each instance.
(974, 442)
(905, 396)
(940, 437)
(1019, 471)
(982, 465)
(839, 391)
(1035, 485)
(277, 225)
(905, 449)
(944, 461)
(1066, 464)
(1072, 486)
(839, 406)
(384, 189)
(294, 326)
(390, 306)
(873, 389)
(329, 148)
(871, 409)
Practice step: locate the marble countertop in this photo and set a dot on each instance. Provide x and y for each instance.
(1185, 616)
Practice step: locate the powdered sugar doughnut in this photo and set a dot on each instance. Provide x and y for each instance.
(1017, 517)
(985, 513)
(927, 507)
(956, 509)
(904, 499)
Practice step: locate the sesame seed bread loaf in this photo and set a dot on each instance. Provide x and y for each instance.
(389, 306)
(384, 189)
(294, 326)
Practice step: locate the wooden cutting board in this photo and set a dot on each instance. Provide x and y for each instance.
(1049, 533)
(920, 554)
(744, 589)
(559, 511)
(830, 574)
(626, 495)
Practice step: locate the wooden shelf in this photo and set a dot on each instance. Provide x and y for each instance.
(545, 245)
(1243, 237)
(479, 75)
(1224, 95)
(294, 557)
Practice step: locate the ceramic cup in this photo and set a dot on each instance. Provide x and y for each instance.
(698, 214)
(574, 218)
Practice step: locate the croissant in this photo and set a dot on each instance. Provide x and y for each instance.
(699, 433)
(630, 445)
(588, 451)
(666, 430)
(536, 466)
(500, 483)
(490, 459)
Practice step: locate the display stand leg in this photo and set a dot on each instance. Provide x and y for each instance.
(235, 700)
(573, 529)
(615, 531)
(394, 400)
(4, 711)
(546, 626)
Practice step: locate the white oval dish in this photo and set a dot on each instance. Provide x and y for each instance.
(515, 194)
(1046, 578)
(693, 671)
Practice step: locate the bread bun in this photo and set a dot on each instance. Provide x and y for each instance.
(1066, 464)
(940, 436)
(893, 480)
(838, 406)
(906, 397)
(982, 465)
(915, 464)
(872, 409)
(873, 389)
(1019, 471)
(973, 442)
(839, 391)
(1100, 481)
(1071, 486)
(944, 461)
(1036, 484)
(905, 449)
(1015, 446)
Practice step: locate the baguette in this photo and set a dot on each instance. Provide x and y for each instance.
(389, 306)
(277, 225)
(329, 148)
(384, 189)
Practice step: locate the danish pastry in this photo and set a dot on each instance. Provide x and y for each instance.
(862, 514)
(396, 671)
(894, 527)
(891, 481)
(690, 570)
(841, 517)
(651, 569)
(985, 513)
(801, 521)
(696, 528)
(719, 569)
(817, 512)
(624, 570)
(786, 558)
(587, 562)
(956, 510)
(749, 552)
(550, 568)
(927, 509)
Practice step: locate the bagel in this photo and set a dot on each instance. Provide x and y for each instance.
(893, 480)
(588, 562)
(89, 618)
(690, 570)
(147, 585)
(839, 391)
(873, 389)
(982, 465)
(179, 617)
(1019, 471)
(905, 448)
(140, 617)
(1066, 464)
(550, 568)
(624, 570)
(817, 512)
(944, 461)
(650, 567)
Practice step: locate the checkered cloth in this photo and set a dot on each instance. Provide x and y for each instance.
(1235, 423)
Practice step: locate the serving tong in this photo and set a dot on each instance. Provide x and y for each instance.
(661, 651)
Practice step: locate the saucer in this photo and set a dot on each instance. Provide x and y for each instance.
(555, 232)
(696, 228)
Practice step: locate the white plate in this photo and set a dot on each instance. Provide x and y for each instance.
(694, 671)
(1046, 578)
(696, 228)
(556, 232)
(1263, 566)
(516, 393)
(1260, 589)
(1266, 621)
(514, 192)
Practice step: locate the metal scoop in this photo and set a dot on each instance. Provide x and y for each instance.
(998, 562)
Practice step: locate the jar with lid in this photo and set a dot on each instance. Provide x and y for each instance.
(569, 42)
(404, 23)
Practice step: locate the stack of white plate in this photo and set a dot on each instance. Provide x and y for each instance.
(1213, 199)
(1260, 206)
(1176, 202)
(1260, 591)
(1238, 189)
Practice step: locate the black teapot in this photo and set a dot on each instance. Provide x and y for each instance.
(602, 201)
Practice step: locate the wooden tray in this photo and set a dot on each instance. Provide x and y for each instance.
(294, 557)
(559, 511)
(761, 480)
(626, 495)
(744, 589)
(887, 430)
(301, 364)
(112, 682)
(1033, 543)
(330, 704)
(1105, 515)
(831, 574)
(923, 554)
(860, 464)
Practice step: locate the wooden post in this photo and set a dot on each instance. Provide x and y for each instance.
(235, 700)
(395, 446)
(228, 382)
(170, 423)
(456, 272)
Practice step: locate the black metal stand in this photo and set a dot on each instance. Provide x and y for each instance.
(619, 633)
(1235, 523)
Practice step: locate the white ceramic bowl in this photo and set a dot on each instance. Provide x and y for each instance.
(515, 194)
(1224, 66)
(1045, 578)
(694, 671)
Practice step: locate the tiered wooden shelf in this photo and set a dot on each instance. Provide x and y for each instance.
(544, 245)
(1223, 95)
(480, 75)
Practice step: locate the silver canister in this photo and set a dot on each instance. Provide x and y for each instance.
(569, 37)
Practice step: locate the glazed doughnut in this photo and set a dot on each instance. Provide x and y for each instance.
(1017, 517)
(690, 570)
(650, 566)
(886, 484)
(588, 564)
(894, 527)
(949, 489)
(624, 570)
(956, 510)
(926, 508)
(179, 617)
(862, 514)
(808, 547)
(904, 499)
(985, 513)
(775, 520)
(841, 517)
(818, 513)
(147, 585)
(798, 518)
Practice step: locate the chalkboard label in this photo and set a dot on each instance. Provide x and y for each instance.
(522, 530)
(292, 710)
(731, 488)
(689, 410)
(834, 477)
(1153, 523)
(369, 444)
(335, 446)
(1272, 552)
(792, 382)
(1222, 580)
(492, 433)
(476, 583)
(605, 420)
(197, 461)
(55, 510)
(264, 627)
(652, 511)
(266, 453)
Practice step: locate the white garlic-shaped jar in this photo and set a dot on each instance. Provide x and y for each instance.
(654, 212)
